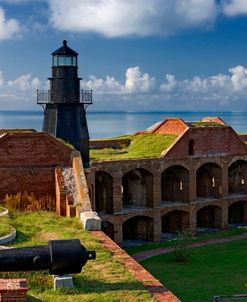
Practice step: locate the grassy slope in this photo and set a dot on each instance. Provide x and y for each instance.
(142, 146)
(104, 279)
(213, 270)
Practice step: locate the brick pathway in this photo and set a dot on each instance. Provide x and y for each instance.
(163, 250)
(158, 291)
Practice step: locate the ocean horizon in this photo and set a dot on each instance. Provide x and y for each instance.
(113, 123)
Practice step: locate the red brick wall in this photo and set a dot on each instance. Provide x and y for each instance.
(28, 161)
(171, 126)
(40, 181)
(13, 290)
(32, 149)
(209, 141)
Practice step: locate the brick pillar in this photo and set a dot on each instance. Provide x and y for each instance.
(14, 290)
(193, 221)
(192, 185)
(118, 233)
(157, 227)
(224, 216)
(156, 190)
(117, 194)
(224, 188)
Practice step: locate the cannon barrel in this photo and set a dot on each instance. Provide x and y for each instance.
(59, 257)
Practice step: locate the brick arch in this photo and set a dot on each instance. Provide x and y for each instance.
(237, 177)
(175, 221)
(175, 184)
(137, 188)
(138, 228)
(209, 180)
(204, 161)
(237, 212)
(103, 192)
(209, 217)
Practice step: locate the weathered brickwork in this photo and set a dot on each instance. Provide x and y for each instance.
(184, 189)
(171, 126)
(13, 290)
(28, 161)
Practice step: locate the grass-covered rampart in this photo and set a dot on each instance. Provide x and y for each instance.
(102, 280)
(141, 146)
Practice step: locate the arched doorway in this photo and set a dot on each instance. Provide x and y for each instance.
(209, 217)
(237, 176)
(137, 188)
(175, 222)
(103, 192)
(108, 228)
(175, 184)
(237, 213)
(138, 228)
(208, 181)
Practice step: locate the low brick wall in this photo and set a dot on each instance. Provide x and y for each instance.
(13, 290)
(159, 292)
(114, 144)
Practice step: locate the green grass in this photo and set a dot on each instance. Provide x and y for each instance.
(152, 245)
(5, 230)
(103, 279)
(219, 269)
(141, 146)
(207, 124)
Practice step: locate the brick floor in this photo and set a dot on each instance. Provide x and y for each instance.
(159, 292)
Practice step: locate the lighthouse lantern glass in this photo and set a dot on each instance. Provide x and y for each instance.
(60, 60)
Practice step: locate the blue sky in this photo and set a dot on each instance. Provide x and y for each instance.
(136, 55)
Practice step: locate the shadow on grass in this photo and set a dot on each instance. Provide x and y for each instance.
(83, 285)
(21, 237)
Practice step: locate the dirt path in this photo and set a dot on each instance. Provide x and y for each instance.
(163, 250)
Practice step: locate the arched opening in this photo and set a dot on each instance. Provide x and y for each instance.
(103, 192)
(175, 222)
(108, 228)
(137, 189)
(175, 184)
(191, 147)
(209, 217)
(208, 181)
(237, 213)
(138, 228)
(237, 176)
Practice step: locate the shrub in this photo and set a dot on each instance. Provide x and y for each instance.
(25, 201)
(180, 250)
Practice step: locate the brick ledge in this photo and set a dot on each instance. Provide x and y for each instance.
(159, 292)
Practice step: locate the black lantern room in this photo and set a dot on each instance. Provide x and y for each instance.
(65, 104)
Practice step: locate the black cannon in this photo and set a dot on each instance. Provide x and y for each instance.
(60, 257)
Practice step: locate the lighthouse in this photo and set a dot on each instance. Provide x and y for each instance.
(65, 103)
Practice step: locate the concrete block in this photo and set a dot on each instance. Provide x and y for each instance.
(63, 281)
(90, 221)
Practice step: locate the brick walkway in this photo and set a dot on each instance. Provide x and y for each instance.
(163, 250)
(159, 292)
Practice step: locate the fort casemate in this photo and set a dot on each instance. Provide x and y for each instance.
(176, 176)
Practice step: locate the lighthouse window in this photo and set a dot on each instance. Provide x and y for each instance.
(64, 61)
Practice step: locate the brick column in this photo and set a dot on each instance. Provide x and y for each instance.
(192, 185)
(224, 216)
(157, 227)
(118, 233)
(117, 194)
(14, 290)
(156, 190)
(224, 188)
(192, 221)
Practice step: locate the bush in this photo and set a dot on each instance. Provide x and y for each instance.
(180, 250)
(24, 201)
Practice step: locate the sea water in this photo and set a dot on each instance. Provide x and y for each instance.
(107, 124)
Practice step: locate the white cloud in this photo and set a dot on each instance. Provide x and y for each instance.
(131, 17)
(136, 81)
(234, 7)
(19, 93)
(169, 84)
(9, 28)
